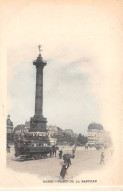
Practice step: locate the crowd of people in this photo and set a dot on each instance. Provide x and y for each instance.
(53, 151)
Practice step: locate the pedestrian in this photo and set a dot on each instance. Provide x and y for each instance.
(102, 158)
(55, 149)
(60, 154)
(64, 169)
(73, 151)
(50, 152)
(75, 147)
(68, 162)
(8, 149)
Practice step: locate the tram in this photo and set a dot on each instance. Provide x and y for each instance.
(28, 146)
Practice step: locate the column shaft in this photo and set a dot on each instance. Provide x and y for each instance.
(39, 91)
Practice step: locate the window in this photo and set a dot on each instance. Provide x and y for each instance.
(37, 144)
(34, 144)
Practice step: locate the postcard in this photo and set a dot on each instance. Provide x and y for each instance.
(61, 95)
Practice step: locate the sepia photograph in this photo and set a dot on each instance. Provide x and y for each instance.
(61, 95)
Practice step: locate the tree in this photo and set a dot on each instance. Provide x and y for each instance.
(82, 140)
(62, 138)
(79, 139)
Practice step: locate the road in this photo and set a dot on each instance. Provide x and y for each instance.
(85, 160)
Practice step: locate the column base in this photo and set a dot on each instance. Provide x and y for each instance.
(38, 124)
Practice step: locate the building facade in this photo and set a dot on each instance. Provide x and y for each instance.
(52, 129)
(27, 126)
(19, 129)
(98, 136)
(10, 131)
(9, 125)
(53, 141)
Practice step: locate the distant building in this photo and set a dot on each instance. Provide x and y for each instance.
(53, 130)
(97, 135)
(22, 128)
(10, 131)
(27, 126)
(9, 125)
(53, 141)
(95, 126)
(19, 129)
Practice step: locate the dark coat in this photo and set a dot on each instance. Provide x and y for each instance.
(63, 170)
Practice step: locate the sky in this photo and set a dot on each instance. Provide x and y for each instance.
(68, 100)
(81, 44)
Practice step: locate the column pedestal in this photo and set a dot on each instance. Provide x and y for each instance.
(38, 124)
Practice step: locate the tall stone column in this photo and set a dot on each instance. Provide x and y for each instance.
(38, 122)
(39, 63)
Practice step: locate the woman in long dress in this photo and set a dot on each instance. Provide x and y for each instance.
(64, 169)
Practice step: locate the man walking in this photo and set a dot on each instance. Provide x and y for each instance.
(68, 162)
(60, 154)
(102, 158)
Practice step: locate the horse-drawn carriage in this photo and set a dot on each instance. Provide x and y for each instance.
(28, 146)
